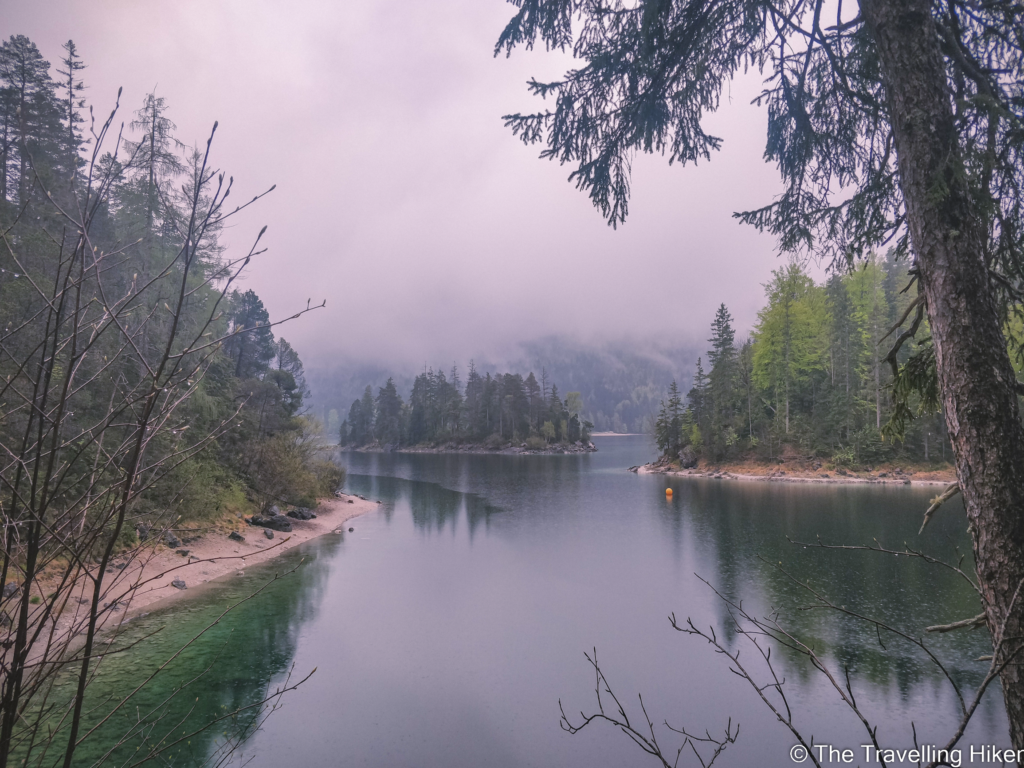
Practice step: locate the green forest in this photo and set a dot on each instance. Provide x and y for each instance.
(495, 411)
(816, 379)
(621, 381)
(144, 282)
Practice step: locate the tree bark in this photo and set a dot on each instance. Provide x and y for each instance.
(977, 381)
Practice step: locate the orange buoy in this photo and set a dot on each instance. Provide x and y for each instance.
(668, 492)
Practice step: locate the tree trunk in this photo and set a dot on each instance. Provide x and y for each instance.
(975, 375)
(878, 390)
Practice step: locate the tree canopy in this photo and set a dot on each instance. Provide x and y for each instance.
(652, 70)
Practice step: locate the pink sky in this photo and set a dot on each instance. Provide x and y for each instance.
(401, 199)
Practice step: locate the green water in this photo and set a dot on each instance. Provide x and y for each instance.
(448, 625)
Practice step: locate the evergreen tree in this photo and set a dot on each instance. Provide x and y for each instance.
(155, 154)
(697, 397)
(475, 404)
(722, 339)
(31, 117)
(356, 432)
(369, 417)
(668, 429)
(722, 381)
(535, 399)
(252, 342)
(389, 414)
(71, 87)
(287, 359)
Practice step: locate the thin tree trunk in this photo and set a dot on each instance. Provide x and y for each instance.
(787, 406)
(750, 413)
(878, 393)
(975, 375)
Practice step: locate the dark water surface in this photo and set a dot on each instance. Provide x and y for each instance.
(448, 625)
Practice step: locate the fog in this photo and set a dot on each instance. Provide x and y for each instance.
(431, 232)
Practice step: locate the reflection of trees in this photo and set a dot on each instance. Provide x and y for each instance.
(750, 522)
(437, 486)
(432, 506)
(235, 662)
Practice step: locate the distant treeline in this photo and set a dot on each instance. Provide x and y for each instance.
(815, 379)
(494, 410)
(621, 382)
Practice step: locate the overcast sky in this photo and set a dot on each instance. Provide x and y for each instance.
(401, 199)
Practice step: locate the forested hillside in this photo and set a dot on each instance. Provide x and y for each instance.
(504, 409)
(118, 307)
(816, 377)
(621, 383)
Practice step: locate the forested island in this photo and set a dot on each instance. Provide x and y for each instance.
(819, 380)
(492, 413)
(620, 380)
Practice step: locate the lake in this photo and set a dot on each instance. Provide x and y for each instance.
(447, 626)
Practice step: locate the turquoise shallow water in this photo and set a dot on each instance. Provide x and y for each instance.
(447, 626)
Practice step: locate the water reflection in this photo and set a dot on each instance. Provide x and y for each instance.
(449, 625)
(231, 668)
(433, 507)
(743, 529)
(735, 535)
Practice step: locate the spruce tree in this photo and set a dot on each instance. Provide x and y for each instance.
(252, 342)
(31, 116)
(668, 429)
(71, 87)
(389, 414)
(722, 381)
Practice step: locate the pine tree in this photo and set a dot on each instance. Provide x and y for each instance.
(71, 102)
(155, 155)
(31, 116)
(454, 404)
(668, 429)
(474, 404)
(536, 401)
(366, 409)
(252, 343)
(287, 359)
(722, 339)
(389, 414)
(697, 397)
(722, 381)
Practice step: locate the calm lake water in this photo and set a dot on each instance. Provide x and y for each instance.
(447, 626)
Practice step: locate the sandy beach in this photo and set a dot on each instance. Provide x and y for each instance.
(144, 582)
(774, 474)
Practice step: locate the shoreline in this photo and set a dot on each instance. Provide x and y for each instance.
(144, 583)
(749, 473)
(477, 448)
